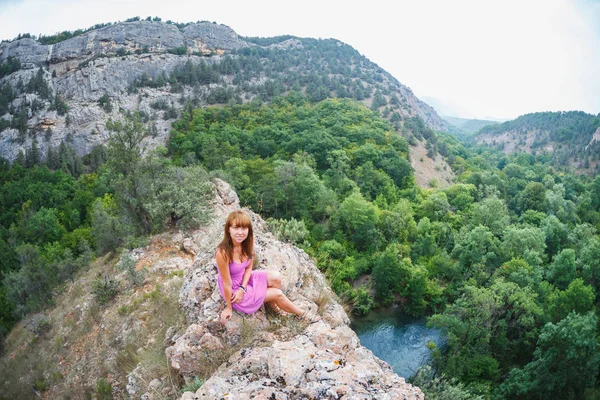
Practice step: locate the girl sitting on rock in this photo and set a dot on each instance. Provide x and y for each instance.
(243, 289)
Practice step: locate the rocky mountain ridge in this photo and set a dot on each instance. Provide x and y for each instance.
(114, 71)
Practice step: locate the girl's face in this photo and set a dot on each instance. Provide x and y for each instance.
(238, 234)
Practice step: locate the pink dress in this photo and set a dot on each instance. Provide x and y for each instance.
(256, 289)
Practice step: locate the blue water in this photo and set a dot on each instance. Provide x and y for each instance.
(396, 338)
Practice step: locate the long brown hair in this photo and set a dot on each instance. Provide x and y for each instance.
(237, 218)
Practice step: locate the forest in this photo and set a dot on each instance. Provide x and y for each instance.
(506, 261)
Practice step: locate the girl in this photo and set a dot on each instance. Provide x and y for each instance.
(243, 289)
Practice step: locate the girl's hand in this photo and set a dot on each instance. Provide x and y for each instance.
(226, 314)
(237, 296)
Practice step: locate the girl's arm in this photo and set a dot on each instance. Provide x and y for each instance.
(248, 272)
(227, 286)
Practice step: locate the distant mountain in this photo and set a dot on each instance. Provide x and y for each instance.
(447, 107)
(468, 126)
(569, 138)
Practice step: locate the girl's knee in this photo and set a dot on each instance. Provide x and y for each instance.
(274, 294)
(274, 278)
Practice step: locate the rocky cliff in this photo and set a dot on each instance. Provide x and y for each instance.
(100, 66)
(271, 357)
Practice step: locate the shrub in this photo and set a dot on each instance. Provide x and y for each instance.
(292, 230)
(128, 264)
(108, 230)
(105, 103)
(38, 324)
(104, 289)
(103, 390)
(192, 386)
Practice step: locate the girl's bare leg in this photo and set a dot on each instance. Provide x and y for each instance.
(275, 295)
(273, 281)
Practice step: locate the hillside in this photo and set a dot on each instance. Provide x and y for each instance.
(66, 89)
(568, 139)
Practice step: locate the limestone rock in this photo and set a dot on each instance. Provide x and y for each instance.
(225, 192)
(29, 51)
(190, 247)
(270, 357)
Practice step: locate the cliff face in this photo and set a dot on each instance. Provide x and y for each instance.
(202, 37)
(267, 356)
(107, 61)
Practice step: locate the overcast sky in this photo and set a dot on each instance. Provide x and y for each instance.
(481, 58)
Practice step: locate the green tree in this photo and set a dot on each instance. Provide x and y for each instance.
(520, 272)
(566, 362)
(478, 253)
(302, 193)
(487, 330)
(578, 297)
(425, 242)
(441, 387)
(398, 225)
(29, 288)
(124, 152)
(528, 243)
(357, 219)
(563, 269)
(336, 176)
(589, 261)
(108, 228)
(491, 212)
(533, 197)
(557, 235)
(178, 197)
(461, 196)
(435, 206)
(391, 273)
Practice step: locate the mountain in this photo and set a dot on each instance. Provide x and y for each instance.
(66, 88)
(569, 138)
(468, 126)
(447, 107)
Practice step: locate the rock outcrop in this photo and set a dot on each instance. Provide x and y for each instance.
(266, 356)
(203, 37)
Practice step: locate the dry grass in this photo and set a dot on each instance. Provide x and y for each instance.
(323, 301)
(346, 302)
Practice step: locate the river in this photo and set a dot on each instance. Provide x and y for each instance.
(396, 338)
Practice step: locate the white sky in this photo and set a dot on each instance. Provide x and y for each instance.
(486, 58)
